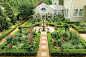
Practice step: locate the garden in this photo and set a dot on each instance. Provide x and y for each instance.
(64, 41)
(22, 41)
(25, 40)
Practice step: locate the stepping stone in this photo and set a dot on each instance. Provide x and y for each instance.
(43, 37)
(43, 33)
(43, 54)
(43, 41)
(43, 47)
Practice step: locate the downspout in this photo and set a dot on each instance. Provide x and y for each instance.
(71, 9)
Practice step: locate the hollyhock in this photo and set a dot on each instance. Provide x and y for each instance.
(8, 34)
(32, 38)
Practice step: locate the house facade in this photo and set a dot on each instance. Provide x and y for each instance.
(75, 10)
(49, 11)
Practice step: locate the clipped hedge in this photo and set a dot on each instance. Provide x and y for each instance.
(10, 30)
(78, 29)
(20, 52)
(66, 52)
(73, 22)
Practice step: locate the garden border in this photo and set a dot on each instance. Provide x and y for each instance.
(65, 52)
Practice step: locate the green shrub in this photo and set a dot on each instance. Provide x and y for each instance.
(10, 30)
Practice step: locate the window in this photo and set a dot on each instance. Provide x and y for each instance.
(78, 13)
(75, 12)
(66, 13)
(81, 11)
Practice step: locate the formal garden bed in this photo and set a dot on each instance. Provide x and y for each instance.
(10, 30)
(22, 43)
(64, 42)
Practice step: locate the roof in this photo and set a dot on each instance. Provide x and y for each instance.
(57, 7)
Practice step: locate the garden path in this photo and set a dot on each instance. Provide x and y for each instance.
(83, 35)
(43, 46)
(4, 39)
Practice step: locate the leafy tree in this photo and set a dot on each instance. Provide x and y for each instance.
(10, 13)
(4, 21)
(26, 9)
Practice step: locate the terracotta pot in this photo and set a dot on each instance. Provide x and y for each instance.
(39, 25)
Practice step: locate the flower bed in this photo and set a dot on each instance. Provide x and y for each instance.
(10, 30)
(61, 46)
(21, 44)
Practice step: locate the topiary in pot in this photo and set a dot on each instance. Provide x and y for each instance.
(66, 26)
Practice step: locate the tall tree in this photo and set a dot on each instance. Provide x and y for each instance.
(26, 9)
(10, 13)
(4, 21)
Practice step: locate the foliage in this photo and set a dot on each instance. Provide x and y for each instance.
(10, 13)
(10, 30)
(66, 26)
(4, 21)
(24, 10)
(68, 51)
(65, 36)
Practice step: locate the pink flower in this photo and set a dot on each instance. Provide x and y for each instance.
(21, 25)
(36, 5)
(29, 29)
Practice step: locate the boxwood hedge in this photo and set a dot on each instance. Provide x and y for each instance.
(10, 30)
(65, 52)
(20, 52)
(78, 29)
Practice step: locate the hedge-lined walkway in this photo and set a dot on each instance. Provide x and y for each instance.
(4, 39)
(83, 35)
(43, 46)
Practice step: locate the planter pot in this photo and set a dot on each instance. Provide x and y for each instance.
(39, 25)
(46, 25)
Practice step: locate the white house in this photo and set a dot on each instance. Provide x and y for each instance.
(48, 10)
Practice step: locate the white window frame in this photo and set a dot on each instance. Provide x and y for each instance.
(66, 16)
(78, 12)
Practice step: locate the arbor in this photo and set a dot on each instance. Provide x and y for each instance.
(4, 21)
(10, 13)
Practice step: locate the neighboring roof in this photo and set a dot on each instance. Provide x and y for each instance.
(57, 7)
(2, 7)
